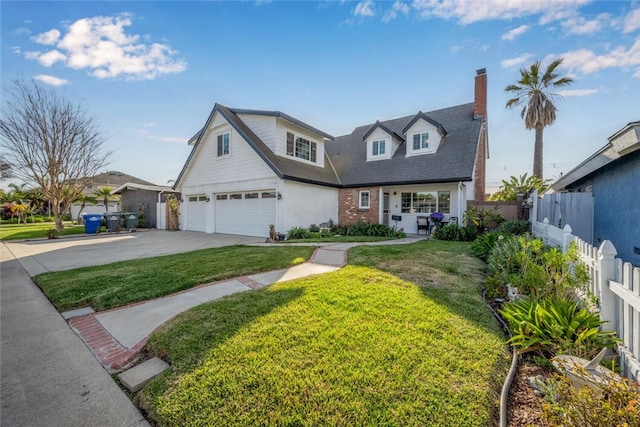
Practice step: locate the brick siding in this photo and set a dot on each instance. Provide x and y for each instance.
(349, 211)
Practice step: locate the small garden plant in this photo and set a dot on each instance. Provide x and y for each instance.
(358, 229)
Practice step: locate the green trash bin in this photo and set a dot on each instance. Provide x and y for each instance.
(130, 220)
(113, 220)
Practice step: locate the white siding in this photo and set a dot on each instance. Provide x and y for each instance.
(306, 204)
(263, 126)
(378, 135)
(206, 168)
(409, 219)
(422, 126)
(283, 127)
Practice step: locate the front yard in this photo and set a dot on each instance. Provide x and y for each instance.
(401, 336)
(10, 231)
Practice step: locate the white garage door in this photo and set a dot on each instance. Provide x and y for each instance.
(247, 213)
(196, 213)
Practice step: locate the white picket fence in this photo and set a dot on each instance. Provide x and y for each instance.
(615, 283)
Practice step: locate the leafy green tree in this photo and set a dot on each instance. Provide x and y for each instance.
(509, 190)
(533, 92)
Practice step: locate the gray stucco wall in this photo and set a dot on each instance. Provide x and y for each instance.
(616, 193)
(132, 199)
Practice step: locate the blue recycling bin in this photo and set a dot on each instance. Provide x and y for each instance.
(92, 223)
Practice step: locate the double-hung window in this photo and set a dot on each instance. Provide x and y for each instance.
(301, 148)
(378, 148)
(365, 199)
(223, 145)
(421, 141)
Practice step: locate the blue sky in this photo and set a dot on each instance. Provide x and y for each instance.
(150, 72)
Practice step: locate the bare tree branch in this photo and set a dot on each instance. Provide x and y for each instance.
(51, 142)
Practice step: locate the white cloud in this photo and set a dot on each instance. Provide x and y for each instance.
(364, 8)
(577, 92)
(21, 31)
(631, 21)
(588, 62)
(515, 62)
(101, 45)
(512, 34)
(51, 57)
(178, 139)
(51, 80)
(16, 50)
(579, 25)
(398, 7)
(50, 37)
(467, 12)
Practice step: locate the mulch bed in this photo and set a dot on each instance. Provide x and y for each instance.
(524, 406)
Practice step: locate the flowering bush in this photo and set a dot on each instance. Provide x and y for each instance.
(436, 216)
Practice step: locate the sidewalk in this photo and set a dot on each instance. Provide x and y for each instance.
(49, 378)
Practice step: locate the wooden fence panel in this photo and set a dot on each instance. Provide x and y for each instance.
(575, 209)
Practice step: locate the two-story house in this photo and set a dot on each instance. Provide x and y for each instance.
(252, 168)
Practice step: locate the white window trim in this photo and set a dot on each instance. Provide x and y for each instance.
(360, 194)
(216, 139)
(387, 149)
(312, 142)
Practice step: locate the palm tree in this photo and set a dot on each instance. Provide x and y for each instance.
(533, 93)
(84, 199)
(104, 194)
(509, 190)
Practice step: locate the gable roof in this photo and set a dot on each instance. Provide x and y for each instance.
(453, 161)
(346, 162)
(377, 125)
(426, 118)
(621, 143)
(284, 168)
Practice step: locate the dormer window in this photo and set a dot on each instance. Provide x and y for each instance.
(421, 141)
(378, 148)
(301, 148)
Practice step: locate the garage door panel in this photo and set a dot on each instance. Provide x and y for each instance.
(246, 216)
(196, 214)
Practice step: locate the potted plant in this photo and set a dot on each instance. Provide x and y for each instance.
(437, 218)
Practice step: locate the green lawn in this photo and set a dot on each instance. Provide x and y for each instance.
(35, 231)
(399, 337)
(121, 283)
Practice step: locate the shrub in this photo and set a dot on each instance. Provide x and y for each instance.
(314, 228)
(66, 217)
(482, 219)
(536, 269)
(484, 244)
(298, 233)
(555, 324)
(515, 227)
(615, 403)
(448, 232)
(52, 233)
(468, 234)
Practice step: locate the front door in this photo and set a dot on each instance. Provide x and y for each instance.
(385, 209)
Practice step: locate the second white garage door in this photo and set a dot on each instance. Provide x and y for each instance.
(247, 213)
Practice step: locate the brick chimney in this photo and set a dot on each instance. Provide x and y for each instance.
(480, 107)
(480, 113)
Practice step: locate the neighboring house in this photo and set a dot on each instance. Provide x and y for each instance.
(252, 168)
(613, 176)
(110, 179)
(145, 199)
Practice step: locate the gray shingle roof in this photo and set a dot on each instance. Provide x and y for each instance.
(454, 160)
(346, 158)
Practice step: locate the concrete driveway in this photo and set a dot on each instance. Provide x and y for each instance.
(40, 256)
